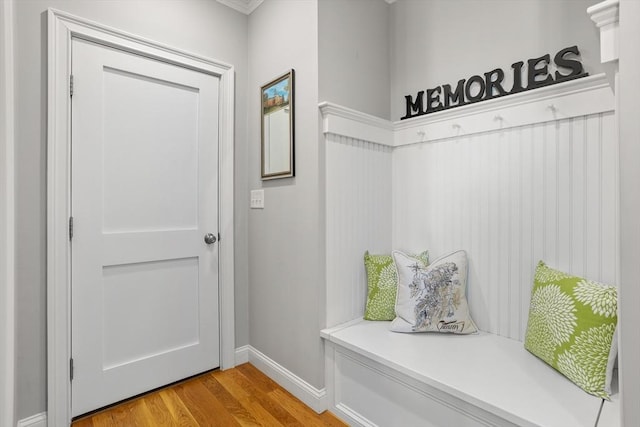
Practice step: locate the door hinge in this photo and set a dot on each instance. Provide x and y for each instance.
(218, 237)
(71, 369)
(70, 227)
(71, 85)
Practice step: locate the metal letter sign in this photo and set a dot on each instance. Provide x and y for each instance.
(479, 88)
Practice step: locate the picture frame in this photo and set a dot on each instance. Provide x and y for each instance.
(277, 116)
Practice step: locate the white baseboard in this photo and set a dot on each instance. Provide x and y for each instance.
(242, 355)
(37, 420)
(314, 398)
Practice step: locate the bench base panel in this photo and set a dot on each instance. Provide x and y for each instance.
(365, 393)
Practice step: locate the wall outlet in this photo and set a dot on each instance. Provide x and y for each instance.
(257, 199)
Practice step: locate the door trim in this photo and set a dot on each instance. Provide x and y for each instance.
(62, 27)
(7, 217)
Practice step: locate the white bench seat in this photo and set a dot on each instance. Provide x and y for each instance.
(446, 380)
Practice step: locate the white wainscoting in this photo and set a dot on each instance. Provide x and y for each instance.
(358, 215)
(510, 198)
(523, 178)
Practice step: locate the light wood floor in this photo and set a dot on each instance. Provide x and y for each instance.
(242, 396)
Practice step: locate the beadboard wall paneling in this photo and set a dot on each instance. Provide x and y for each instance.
(546, 191)
(358, 218)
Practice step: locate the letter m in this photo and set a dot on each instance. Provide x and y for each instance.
(414, 108)
(455, 97)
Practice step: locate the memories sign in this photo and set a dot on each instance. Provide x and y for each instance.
(490, 85)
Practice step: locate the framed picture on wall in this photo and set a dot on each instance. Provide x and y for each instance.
(277, 115)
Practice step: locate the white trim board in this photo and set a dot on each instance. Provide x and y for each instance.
(580, 97)
(311, 396)
(61, 28)
(37, 420)
(7, 217)
(344, 121)
(242, 355)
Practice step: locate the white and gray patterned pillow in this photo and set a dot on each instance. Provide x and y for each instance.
(432, 298)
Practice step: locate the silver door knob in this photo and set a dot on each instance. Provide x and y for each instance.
(210, 239)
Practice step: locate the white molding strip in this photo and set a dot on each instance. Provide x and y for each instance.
(7, 217)
(38, 420)
(606, 16)
(313, 397)
(580, 97)
(344, 121)
(242, 6)
(61, 28)
(242, 355)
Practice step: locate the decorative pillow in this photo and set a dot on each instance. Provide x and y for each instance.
(432, 298)
(382, 283)
(572, 327)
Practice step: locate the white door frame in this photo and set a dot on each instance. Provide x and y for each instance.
(7, 218)
(61, 28)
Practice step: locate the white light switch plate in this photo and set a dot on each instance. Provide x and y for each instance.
(257, 199)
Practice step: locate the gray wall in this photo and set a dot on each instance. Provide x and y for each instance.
(201, 26)
(441, 41)
(353, 48)
(286, 238)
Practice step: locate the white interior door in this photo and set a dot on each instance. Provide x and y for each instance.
(144, 190)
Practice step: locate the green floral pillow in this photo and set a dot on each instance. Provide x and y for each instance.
(572, 326)
(382, 283)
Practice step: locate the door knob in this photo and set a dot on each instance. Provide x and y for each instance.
(210, 239)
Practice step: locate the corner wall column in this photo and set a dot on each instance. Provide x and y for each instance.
(619, 24)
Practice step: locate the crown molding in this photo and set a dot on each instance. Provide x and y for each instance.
(242, 6)
(605, 13)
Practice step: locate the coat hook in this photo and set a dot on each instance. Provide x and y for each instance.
(498, 118)
(456, 126)
(421, 133)
(552, 108)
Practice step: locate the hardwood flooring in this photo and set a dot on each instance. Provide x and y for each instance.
(242, 396)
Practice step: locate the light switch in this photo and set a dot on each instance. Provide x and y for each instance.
(257, 199)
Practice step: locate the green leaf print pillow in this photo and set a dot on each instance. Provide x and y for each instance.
(382, 283)
(572, 326)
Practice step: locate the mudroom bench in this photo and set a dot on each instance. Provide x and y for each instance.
(376, 377)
